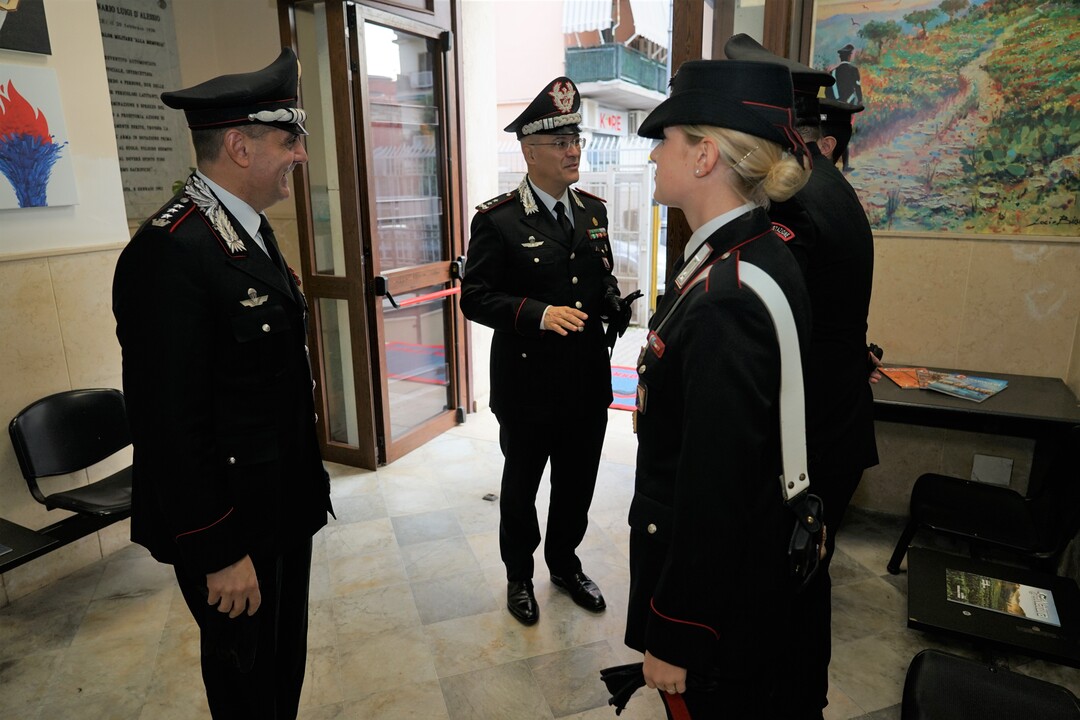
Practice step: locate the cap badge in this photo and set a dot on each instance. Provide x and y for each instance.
(563, 96)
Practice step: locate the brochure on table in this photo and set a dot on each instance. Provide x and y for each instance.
(968, 387)
(1001, 596)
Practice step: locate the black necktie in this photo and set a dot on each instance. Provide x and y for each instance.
(271, 246)
(564, 222)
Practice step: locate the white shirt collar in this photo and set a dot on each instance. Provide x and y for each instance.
(550, 200)
(702, 233)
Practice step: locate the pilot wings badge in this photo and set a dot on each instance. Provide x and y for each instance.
(254, 299)
(533, 242)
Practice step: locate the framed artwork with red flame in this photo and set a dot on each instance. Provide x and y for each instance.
(35, 158)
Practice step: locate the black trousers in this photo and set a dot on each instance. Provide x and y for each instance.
(813, 612)
(253, 667)
(573, 447)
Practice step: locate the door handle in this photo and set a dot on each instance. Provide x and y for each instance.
(382, 289)
(457, 268)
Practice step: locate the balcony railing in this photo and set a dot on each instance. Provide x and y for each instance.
(616, 62)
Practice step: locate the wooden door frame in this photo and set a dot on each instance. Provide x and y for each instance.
(356, 286)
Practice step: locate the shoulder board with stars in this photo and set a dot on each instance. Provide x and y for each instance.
(589, 195)
(174, 210)
(494, 202)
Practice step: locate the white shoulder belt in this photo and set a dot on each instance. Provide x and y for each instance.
(795, 477)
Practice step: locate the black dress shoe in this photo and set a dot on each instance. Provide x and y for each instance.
(521, 602)
(583, 591)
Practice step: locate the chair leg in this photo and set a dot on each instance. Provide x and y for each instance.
(901, 547)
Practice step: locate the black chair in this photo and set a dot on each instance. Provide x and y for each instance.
(941, 686)
(1033, 530)
(68, 432)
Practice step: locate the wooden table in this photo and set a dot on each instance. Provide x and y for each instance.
(1030, 407)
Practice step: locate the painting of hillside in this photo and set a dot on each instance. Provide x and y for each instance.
(972, 119)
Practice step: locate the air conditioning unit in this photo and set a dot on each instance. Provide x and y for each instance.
(634, 120)
(420, 79)
(590, 113)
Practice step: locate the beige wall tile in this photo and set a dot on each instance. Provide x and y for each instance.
(906, 451)
(33, 363)
(1021, 310)
(917, 306)
(82, 285)
(960, 449)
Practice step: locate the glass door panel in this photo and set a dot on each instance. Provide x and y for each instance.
(374, 206)
(405, 138)
(337, 371)
(410, 244)
(417, 368)
(325, 187)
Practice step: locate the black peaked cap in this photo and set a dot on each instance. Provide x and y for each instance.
(752, 97)
(805, 80)
(555, 111)
(268, 96)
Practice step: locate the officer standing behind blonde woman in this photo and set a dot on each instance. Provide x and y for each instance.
(710, 586)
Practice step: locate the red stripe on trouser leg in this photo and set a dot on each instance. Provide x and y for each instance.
(676, 706)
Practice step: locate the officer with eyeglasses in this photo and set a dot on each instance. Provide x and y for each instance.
(539, 272)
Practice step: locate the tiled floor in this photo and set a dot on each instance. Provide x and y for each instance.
(408, 618)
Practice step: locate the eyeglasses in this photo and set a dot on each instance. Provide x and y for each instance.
(564, 144)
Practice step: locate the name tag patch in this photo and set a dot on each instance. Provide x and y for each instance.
(783, 231)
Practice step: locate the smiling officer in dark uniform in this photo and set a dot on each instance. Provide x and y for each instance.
(539, 273)
(229, 486)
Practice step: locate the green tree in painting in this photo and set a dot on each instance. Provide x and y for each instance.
(953, 7)
(921, 17)
(881, 33)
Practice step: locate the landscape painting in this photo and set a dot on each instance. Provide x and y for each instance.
(972, 111)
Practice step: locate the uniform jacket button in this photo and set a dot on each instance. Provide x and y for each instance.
(573, 255)
(651, 528)
(536, 260)
(524, 355)
(578, 304)
(265, 328)
(231, 461)
(574, 279)
(641, 369)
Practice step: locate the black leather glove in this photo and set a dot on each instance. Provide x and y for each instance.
(612, 308)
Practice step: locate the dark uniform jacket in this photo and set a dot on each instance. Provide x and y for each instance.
(830, 236)
(218, 389)
(709, 583)
(519, 262)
